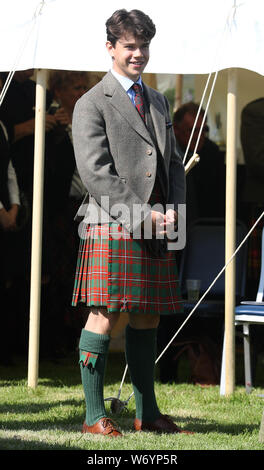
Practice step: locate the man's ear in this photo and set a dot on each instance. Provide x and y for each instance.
(110, 48)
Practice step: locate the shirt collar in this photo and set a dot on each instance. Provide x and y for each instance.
(125, 81)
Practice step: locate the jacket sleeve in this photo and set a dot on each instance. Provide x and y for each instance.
(177, 183)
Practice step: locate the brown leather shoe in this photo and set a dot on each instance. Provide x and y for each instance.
(104, 426)
(162, 424)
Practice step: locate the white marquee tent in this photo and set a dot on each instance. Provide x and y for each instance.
(193, 37)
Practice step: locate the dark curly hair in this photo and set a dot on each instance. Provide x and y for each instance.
(134, 21)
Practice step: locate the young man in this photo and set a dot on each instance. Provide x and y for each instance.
(125, 153)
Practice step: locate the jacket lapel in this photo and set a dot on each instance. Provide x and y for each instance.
(158, 118)
(122, 103)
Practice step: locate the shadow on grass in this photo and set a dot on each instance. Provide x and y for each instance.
(73, 423)
(34, 408)
(62, 372)
(204, 426)
(66, 372)
(19, 444)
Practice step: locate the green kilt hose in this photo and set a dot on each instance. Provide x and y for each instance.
(118, 272)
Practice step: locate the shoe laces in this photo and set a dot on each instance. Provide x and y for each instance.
(108, 423)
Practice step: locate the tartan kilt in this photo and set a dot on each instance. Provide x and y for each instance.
(118, 272)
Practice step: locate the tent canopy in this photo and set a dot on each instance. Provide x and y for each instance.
(193, 37)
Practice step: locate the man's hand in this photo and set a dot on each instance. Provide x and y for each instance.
(171, 223)
(27, 128)
(164, 224)
(62, 117)
(158, 223)
(50, 122)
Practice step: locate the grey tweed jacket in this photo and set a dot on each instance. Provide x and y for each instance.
(116, 156)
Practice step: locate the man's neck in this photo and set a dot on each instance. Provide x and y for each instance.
(124, 80)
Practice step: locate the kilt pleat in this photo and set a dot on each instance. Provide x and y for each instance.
(91, 276)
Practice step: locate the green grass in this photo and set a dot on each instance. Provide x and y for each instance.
(50, 417)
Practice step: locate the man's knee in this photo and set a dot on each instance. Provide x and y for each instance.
(100, 321)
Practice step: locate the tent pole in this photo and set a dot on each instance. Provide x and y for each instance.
(178, 91)
(230, 244)
(36, 246)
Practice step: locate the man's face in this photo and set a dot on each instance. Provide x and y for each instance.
(130, 56)
(183, 132)
(69, 94)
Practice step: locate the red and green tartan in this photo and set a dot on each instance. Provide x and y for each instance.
(118, 272)
(121, 274)
(88, 358)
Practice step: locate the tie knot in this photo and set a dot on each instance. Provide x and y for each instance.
(137, 88)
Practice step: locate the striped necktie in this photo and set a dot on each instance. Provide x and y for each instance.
(139, 100)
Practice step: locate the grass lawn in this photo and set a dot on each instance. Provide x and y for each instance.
(50, 417)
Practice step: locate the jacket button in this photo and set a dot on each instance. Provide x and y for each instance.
(149, 152)
(148, 174)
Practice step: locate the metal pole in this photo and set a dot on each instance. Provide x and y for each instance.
(36, 254)
(178, 92)
(261, 431)
(230, 274)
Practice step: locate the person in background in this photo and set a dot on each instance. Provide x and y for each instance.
(66, 87)
(64, 193)
(18, 114)
(205, 198)
(9, 209)
(205, 184)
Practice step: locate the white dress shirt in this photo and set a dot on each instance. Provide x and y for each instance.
(127, 84)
